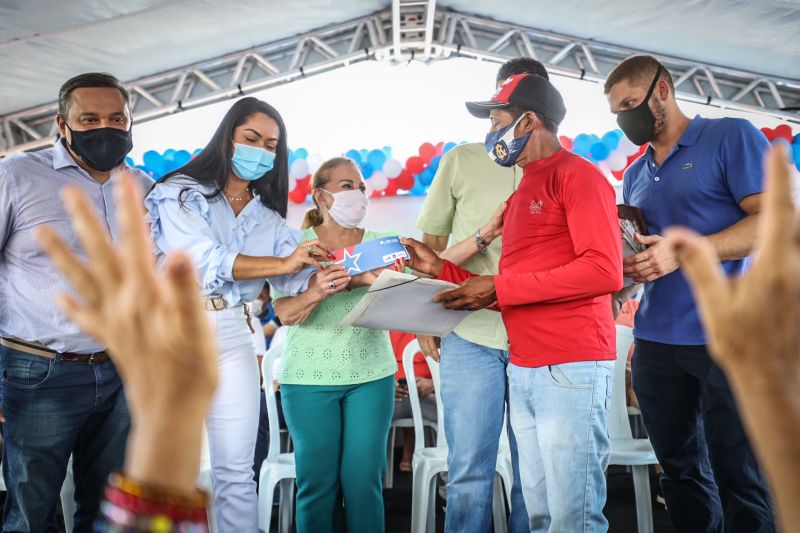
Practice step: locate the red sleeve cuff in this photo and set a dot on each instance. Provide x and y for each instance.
(454, 273)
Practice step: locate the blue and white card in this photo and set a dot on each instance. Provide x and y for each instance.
(370, 255)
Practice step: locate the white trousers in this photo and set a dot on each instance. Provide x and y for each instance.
(232, 424)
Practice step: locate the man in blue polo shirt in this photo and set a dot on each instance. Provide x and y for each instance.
(706, 175)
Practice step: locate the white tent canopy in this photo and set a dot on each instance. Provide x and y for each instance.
(44, 42)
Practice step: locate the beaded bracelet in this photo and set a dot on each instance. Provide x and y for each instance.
(132, 506)
(197, 498)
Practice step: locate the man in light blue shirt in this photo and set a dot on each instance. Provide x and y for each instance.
(61, 395)
(704, 174)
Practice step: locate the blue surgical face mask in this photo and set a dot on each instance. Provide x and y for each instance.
(503, 147)
(251, 162)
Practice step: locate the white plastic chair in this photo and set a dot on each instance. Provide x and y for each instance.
(67, 496)
(388, 476)
(428, 462)
(637, 454)
(277, 467)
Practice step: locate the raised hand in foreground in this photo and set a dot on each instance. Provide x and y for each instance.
(753, 326)
(155, 331)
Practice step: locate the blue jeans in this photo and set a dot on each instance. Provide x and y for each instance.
(474, 391)
(559, 415)
(53, 409)
(711, 481)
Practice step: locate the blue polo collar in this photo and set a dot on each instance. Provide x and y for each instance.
(689, 137)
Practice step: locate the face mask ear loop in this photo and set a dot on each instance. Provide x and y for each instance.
(652, 87)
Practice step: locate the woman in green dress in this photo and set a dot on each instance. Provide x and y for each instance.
(337, 381)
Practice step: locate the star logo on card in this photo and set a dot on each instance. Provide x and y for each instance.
(350, 262)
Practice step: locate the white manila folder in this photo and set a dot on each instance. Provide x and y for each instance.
(402, 302)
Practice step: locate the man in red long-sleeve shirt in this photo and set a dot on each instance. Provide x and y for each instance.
(561, 261)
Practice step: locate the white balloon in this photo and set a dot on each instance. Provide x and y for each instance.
(627, 147)
(369, 190)
(617, 160)
(299, 169)
(292, 183)
(379, 181)
(314, 161)
(392, 168)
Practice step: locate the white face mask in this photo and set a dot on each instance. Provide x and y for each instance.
(349, 207)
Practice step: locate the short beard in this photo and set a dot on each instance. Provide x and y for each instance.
(660, 114)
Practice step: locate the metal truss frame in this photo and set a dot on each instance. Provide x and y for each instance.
(410, 30)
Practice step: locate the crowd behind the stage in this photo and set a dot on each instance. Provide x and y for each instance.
(178, 288)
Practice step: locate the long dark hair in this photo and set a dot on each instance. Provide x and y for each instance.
(212, 165)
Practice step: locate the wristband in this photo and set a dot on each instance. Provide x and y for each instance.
(482, 243)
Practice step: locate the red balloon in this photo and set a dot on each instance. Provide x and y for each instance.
(784, 131)
(405, 180)
(391, 189)
(769, 133)
(415, 164)
(440, 148)
(427, 151)
(298, 195)
(618, 174)
(566, 142)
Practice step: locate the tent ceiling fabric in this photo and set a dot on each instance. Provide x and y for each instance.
(761, 36)
(44, 42)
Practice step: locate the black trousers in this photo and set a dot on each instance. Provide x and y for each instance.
(711, 481)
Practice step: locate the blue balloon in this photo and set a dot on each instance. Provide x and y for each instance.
(182, 157)
(154, 163)
(144, 169)
(448, 146)
(301, 153)
(796, 140)
(376, 158)
(169, 153)
(426, 177)
(418, 189)
(582, 144)
(129, 161)
(388, 151)
(434, 164)
(611, 139)
(197, 152)
(796, 154)
(354, 155)
(367, 170)
(600, 151)
(364, 153)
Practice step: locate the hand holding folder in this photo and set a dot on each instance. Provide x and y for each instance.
(402, 302)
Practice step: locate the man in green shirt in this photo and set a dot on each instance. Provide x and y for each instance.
(468, 188)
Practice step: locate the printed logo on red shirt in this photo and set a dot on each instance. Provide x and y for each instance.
(536, 207)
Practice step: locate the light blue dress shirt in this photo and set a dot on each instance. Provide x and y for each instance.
(182, 218)
(30, 197)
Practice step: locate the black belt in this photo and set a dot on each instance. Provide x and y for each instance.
(39, 350)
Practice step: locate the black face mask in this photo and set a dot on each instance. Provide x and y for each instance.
(639, 123)
(102, 148)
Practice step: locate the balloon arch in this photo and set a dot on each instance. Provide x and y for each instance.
(386, 176)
